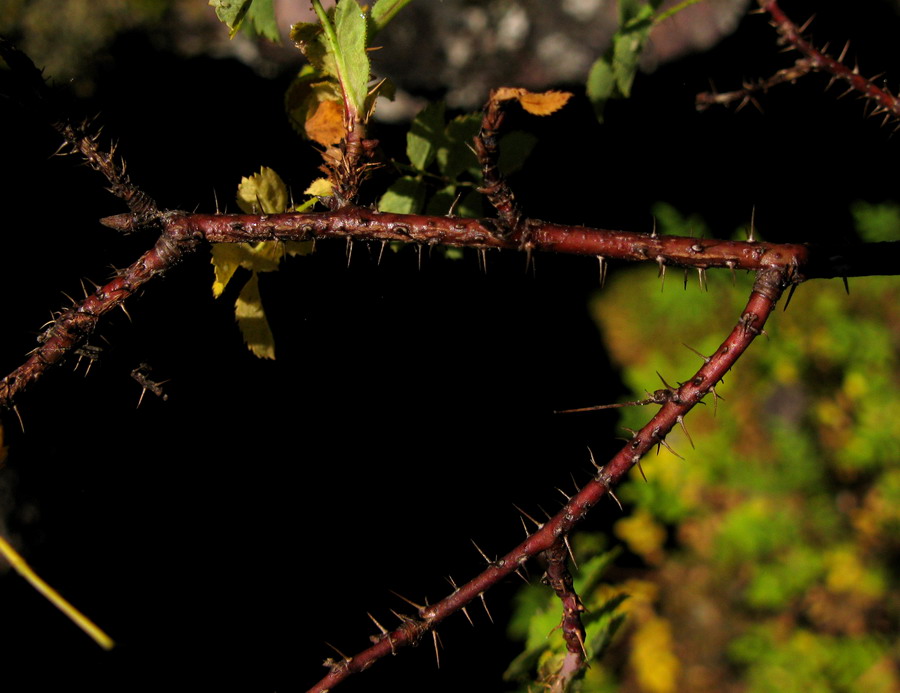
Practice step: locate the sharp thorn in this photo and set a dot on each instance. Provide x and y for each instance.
(668, 387)
(484, 604)
(594, 461)
(536, 523)
(125, 310)
(381, 252)
(641, 469)
(483, 554)
(564, 494)
(701, 278)
(790, 295)
(680, 419)
(706, 359)
(343, 656)
(437, 656)
(574, 483)
(662, 441)
(468, 618)
(602, 261)
(383, 630)
(141, 398)
(846, 285)
(615, 498)
(524, 527)
(419, 607)
(569, 549)
(806, 24)
(843, 54)
(19, 417)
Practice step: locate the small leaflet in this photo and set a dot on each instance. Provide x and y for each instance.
(262, 193)
(383, 11)
(251, 318)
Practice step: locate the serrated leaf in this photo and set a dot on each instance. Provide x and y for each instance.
(309, 38)
(261, 19)
(251, 318)
(545, 103)
(383, 11)
(405, 196)
(426, 134)
(540, 104)
(231, 13)
(350, 27)
(262, 193)
(320, 187)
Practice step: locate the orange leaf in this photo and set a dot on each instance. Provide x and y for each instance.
(543, 104)
(326, 125)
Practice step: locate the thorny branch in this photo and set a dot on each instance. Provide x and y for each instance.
(777, 267)
(813, 60)
(768, 287)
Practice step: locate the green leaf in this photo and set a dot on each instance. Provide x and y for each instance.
(346, 42)
(231, 12)
(251, 318)
(350, 26)
(405, 196)
(425, 135)
(456, 155)
(612, 75)
(515, 148)
(261, 20)
(601, 84)
(383, 12)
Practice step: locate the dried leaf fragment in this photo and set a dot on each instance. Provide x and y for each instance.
(540, 104)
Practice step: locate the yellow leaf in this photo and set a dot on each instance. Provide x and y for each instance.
(262, 193)
(320, 187)
(259, 257)
(251, 318)
(226, 258)
(326, 124)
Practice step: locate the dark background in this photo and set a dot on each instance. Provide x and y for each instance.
(222, 537)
